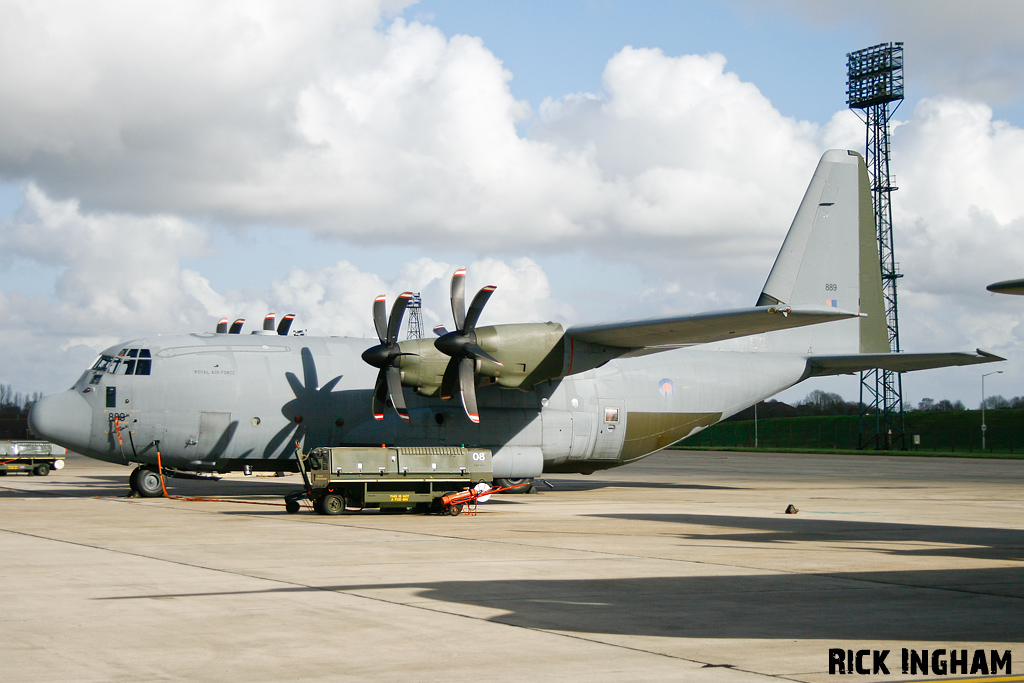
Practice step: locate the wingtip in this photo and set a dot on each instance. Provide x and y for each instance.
(989, 355)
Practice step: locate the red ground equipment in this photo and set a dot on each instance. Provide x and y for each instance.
(455, 503)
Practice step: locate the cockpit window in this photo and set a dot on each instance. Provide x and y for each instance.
(144, 364)
(127, 362)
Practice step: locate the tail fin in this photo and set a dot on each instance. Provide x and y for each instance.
(830, 258)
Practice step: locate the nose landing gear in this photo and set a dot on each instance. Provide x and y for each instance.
(145, 482)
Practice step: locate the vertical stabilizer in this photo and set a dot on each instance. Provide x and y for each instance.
(830, 258)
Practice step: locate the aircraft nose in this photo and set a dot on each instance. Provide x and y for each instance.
(63, 418)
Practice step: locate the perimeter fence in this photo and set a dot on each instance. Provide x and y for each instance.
(947, 432)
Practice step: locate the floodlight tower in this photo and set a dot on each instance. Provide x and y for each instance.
(415, 308)
(874, 81)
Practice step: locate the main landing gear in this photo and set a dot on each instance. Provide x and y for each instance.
(145, 482)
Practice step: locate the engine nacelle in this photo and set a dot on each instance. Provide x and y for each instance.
(529, 354)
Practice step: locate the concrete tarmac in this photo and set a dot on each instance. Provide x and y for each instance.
(682, 567)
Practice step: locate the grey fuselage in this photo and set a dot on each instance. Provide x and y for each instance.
(218, 403)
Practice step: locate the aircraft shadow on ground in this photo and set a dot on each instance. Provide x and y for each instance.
(938, 541)
(928, 605)
(919, 606)
(91, 486)
(596, 484)
(82, 487)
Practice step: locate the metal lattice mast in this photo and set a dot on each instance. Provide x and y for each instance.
(874, 80)
(415, 310)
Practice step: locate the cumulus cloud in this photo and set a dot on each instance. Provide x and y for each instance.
(959, 221)
(120, 277)
(330, 121)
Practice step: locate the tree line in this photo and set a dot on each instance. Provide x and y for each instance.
(14, 404)
(820, 402)
(14, 407)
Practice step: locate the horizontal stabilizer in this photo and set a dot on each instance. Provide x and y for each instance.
(818, 366)
(704, 327)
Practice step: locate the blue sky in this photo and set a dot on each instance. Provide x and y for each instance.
(554, 48)
(336, 152)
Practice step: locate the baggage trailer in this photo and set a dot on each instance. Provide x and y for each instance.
(395, 478)
(33, 457)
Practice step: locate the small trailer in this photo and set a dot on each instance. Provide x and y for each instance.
(389, 478)
(33, 457)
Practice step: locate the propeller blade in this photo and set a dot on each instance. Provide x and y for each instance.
(439, 330)
(477, 307)
(222, 326)
(459, 297)
(394, 379)
(467, 388)
(285, 324)
(236, 327)
(380, 395)
(268, 322)
(450, 381)
(380, 321)
(476, 351)
(395, 321)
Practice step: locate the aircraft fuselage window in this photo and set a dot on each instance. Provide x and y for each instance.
(111, 397)
(128, 362)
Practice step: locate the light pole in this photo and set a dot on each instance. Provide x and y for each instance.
(983, 427)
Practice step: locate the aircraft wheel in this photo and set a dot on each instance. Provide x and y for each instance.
(291, 506)
(145, 482)
(332, 504)
(41, 470)
(502, 483)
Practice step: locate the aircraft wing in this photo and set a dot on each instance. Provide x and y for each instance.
(818, 366)
(702, 328)
(1007, 287)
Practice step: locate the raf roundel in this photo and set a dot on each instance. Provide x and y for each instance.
(666, 387)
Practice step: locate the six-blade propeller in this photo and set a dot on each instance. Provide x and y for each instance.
(461, 345)
(387, 355)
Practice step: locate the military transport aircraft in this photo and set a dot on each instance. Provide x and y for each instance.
(542, 398)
